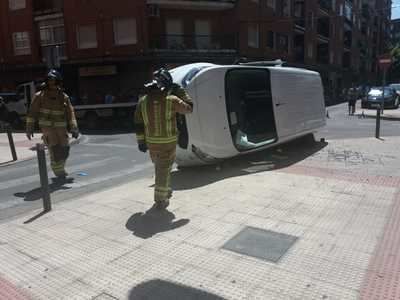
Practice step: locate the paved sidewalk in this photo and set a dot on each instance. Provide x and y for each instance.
(23, 146)
(341, 201)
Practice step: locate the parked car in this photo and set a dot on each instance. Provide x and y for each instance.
(8, 110)
(396, 86)
(374, 98)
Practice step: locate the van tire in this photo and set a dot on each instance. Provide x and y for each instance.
(309, 139)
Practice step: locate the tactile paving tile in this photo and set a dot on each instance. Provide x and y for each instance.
(9, 291)
(382, 281)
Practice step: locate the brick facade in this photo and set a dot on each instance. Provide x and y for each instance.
(339, 38)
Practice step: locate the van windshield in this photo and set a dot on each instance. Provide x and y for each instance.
(249, 107)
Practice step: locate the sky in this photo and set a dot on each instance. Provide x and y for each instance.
(396, 9)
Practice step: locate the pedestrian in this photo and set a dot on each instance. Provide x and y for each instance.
(53, 109)
(156, 129)
(352, 96)
(108, 98)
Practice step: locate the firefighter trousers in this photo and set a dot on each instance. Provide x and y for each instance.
(56, 140)
(163, 157)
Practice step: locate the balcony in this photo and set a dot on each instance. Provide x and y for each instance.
(365, 12)
(323, 27)
(212, 5)
(323, 53)
(299, 49)
(348, 39)
(346, 60)
(194, 43)
(325, 5)
(299, 14)
(45, 7)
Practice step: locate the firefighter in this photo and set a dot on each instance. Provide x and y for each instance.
(156, 129)
(53, 109)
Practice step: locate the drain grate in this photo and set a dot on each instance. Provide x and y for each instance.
(263, 244)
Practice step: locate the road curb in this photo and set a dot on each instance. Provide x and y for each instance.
(374, 117)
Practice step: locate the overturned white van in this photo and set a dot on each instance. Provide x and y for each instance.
(245, 108)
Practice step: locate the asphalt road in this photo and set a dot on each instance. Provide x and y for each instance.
(105, 159)
(99, 161)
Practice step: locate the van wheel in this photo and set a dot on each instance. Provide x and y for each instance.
(309, 139)
(91, 120)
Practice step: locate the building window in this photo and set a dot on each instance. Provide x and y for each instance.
(175, 34)
(286, 8)
(332, 58)
(87, 37)
(310, 20)
(252, 35)
(22, 45)
(334, 5)
(271, 39)
(125, 32)
(271, 4)
(282, 42)
(16, 4)
(310, 50)
(52, 41)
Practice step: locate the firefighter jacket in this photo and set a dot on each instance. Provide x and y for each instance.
(52, 109)
(180, 92)
(155, 117)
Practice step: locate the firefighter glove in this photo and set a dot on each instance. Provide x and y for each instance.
(75, 134)
(143, 148)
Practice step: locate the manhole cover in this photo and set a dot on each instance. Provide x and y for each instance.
(264, 244)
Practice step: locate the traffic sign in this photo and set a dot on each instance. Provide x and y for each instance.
(385, 61)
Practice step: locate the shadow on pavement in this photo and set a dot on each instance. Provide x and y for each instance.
(279, 157)
(160, 290)
(153, 221)
(36, 193)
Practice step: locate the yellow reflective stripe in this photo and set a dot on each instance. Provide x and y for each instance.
(162, 189)
(161, 140)
(144, 112)
(44, 123)
(140, 136)
(60, 124)
(74, 123)
(45, 110)
(168, 118)
(157, 117)
(30, 120)
(57, 113)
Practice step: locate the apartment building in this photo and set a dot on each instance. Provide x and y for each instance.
(395, 31)
(112, 47)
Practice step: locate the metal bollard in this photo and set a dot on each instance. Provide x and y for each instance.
(378, 123)
(12, 145)
(44, 181)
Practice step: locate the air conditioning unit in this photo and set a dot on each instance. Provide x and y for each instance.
(153, 10)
